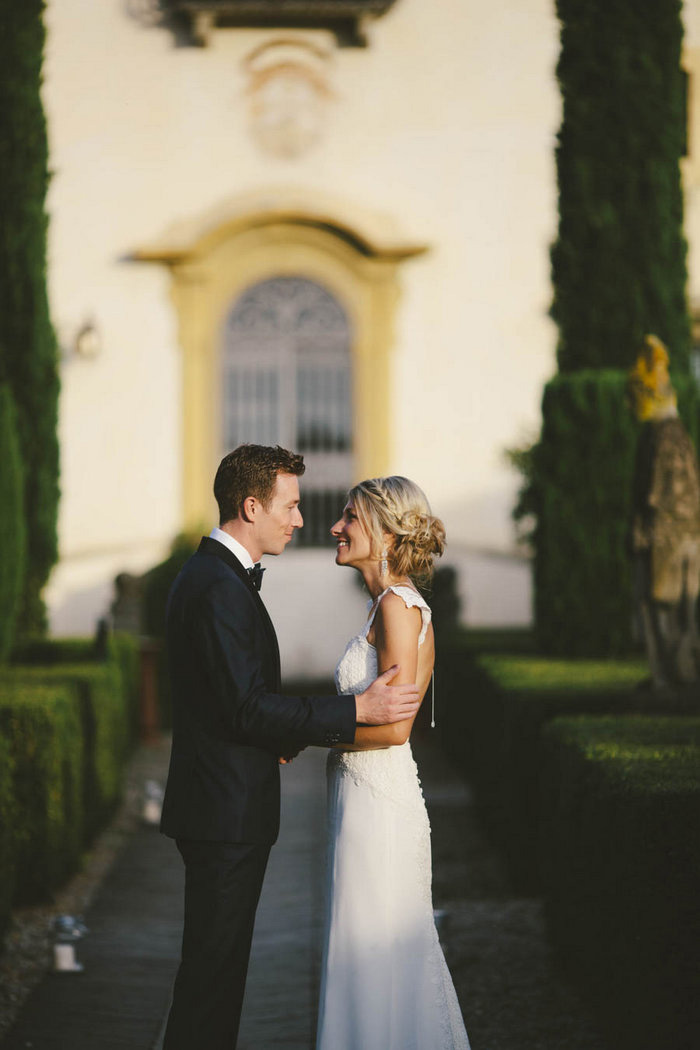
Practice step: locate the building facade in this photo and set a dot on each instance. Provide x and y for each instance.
(332, 233)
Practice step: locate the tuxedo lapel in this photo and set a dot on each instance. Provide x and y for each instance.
(209, 545)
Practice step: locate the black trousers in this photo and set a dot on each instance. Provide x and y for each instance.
(222, 888)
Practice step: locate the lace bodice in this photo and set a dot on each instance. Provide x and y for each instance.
(358, 664)
(389, 771)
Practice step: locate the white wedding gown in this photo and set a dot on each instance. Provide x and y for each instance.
(384, 981)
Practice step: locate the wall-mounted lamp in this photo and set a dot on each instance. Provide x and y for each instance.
(87, 342)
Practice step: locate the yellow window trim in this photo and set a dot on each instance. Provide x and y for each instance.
(213, 262)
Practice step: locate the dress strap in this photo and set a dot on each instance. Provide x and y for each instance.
(411, 598)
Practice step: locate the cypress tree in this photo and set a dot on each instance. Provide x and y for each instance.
(12, 530)
(28, 358)
(618, 265)
(618, 270)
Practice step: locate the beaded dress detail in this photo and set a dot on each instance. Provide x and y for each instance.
(384, 981)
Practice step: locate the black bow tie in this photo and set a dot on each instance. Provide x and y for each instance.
(256, 574)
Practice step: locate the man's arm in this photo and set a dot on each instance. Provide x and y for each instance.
(227, 640)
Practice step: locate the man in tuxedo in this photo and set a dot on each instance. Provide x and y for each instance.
(231, 727)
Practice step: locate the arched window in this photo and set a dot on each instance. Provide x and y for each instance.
(287, 380)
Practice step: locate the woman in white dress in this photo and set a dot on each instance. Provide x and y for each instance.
(384, 981)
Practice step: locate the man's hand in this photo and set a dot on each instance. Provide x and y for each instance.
(284, 760)
(382, 703)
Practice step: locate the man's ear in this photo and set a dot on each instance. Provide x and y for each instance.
(249, 508)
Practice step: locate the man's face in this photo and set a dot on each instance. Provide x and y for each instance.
(275, 526)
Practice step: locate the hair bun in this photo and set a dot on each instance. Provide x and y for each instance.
(398, 506)
(437, 535)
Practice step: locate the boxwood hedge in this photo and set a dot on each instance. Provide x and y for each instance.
(620, 856)
(492, 707)
(65, 733)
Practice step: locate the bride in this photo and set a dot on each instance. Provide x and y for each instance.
(384, 981)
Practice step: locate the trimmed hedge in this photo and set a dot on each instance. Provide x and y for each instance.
(65, 734)
(156, 588)
(40, 725)
(123, 652)
(618, 266)
(48, 652)
(13, 540)
(28, 352)
(620, 844)
(618, 272)
(590, 789)
(496, 707)
(8, 832)
(106, 728)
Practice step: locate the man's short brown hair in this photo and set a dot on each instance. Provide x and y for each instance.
(251, 470)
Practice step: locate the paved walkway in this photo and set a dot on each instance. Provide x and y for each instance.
(511, 997)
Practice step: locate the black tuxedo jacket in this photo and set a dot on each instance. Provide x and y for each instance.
(230, 724)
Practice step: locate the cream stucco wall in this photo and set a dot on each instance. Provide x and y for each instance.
(443, 128)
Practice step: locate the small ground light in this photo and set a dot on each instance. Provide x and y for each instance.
(65, 932)
(152, 802)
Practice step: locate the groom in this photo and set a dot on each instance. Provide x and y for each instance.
(230, 726)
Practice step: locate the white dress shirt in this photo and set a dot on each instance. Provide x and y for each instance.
(234, 546)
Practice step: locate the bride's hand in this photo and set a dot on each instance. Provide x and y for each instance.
(382, 704)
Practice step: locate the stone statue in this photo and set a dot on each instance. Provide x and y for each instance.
(666, 524)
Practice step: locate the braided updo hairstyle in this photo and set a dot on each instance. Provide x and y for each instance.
(398, 506)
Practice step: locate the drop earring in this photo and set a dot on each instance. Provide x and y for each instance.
(383, 563)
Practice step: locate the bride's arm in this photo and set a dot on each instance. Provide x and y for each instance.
(396, 632)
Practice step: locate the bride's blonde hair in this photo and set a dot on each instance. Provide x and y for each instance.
(398, 506)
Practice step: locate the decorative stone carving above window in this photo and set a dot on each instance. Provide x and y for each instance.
(346, 18)
(288, 93)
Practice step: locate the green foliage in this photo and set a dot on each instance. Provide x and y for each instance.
(40, 727)
(491, 713)
(123, 652)
(65, 733)
(618, 265)
(443, 596)
(48, 652)
(104, 727)
(578, 491)
(158, 581)
(108, 689)
(534, 674)
(620, 846)
(8, 832)
(156, 588)
(590, 789)
(618, 269)
(12, 526)
(27, 341)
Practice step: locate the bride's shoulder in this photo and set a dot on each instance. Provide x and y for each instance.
(402, 609)
(398, 603)
(403, 594)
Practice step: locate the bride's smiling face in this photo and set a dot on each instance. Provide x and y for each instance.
(353, 542)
